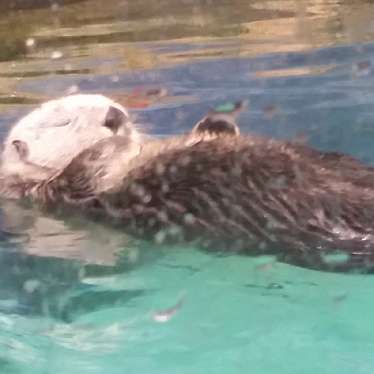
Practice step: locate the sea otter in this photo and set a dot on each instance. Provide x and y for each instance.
(225, 192)
(240, 193)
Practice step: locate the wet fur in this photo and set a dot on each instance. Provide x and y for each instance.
(239, 193)
(244, 193)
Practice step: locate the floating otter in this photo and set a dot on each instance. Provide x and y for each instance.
(240, 193)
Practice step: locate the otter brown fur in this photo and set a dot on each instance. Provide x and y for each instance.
(244, 193)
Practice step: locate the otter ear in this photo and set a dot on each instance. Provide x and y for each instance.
(21, 148)
(114, 119)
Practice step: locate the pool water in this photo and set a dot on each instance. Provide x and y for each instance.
(76, 297)
(237, 315)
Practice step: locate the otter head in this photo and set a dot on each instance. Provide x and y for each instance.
(53, 134)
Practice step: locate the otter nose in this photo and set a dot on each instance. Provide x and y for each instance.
(114, 119)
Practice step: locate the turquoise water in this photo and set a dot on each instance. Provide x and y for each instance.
(76, 297)
(237, 315)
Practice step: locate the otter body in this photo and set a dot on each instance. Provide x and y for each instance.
(215, 187)
(247, 194)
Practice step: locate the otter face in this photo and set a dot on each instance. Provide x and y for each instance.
(60, 129)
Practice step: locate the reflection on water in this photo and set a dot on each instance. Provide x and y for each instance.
(77, 296)
(96, 37)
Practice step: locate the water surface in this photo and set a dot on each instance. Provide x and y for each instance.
(76, 297)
